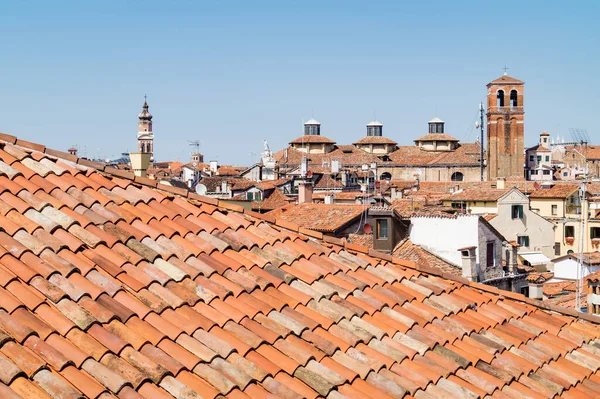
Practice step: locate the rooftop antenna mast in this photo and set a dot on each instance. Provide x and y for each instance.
(479, 124)
(195, 144)
(583, 215)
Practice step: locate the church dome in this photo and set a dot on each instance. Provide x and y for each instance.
(145, 114)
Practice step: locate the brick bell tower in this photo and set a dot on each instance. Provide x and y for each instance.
(505, 128)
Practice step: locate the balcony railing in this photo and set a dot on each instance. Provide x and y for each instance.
(505, 109)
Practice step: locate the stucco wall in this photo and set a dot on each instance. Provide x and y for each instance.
(444, 236)
(566, 269)
(539, 230)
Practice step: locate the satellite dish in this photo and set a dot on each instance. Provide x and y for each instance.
(419, 172)
(476, 124)
(309, 174)
(201, 189)
(367, 229)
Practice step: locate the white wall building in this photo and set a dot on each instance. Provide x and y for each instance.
(565, 267)
(445, 236)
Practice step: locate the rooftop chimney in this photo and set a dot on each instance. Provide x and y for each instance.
(536, 291)
(501, 183)
(305, 191)
(469, 263)
(140, 162)
(214, 166)
(328, 199)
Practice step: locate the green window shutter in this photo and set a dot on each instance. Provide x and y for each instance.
(520, 211)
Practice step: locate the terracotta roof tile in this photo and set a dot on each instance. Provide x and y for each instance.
(109, 286)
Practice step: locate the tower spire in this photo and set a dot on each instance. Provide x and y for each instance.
(145, 135)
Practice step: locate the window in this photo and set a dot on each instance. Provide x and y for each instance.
(513, 98)
(386, 176)
(557, 249)
(546, 172)
(517, 211)
(500, 98)
(531, 158)
(457, 176)
(250, 196)
(565, 174)
(490, 254)
(555, 209)
(545, 140)
(569, 231)
(523, 241)
(594, 232)
(382, 229)
(547, 158)
(539, 158)
(457, 205)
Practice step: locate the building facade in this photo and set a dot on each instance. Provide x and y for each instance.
(517, 222)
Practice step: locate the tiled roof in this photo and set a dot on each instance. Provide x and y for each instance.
(477, 194)
(237, 183)
(316, 139)
(558, 191)
(375, 140)
(319, 217)
(489, 216)
(409, 251)
(328, 182)
(228, 170)
(538, 148)
(271, 184)
(341, 194)
(558, 288)
(505, 79)
(436, 137)
(274, 201)
(112, 286)
(349, 155)
(366, 240)
(539, 277)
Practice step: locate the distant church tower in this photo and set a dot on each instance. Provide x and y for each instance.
(505, 129)
(145, 136)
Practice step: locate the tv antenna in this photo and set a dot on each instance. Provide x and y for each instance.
(195, 144)
(579, 136)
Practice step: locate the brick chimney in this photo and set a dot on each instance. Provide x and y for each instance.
(305, 191)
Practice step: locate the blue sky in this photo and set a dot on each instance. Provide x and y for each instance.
(232, 73)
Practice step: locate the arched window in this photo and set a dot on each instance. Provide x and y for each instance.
(500, 98)
(457, 176)
(386, 176)
(513, 99)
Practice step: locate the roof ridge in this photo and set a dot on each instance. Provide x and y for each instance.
(13, 140)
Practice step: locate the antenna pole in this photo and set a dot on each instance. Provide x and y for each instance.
(481, 140)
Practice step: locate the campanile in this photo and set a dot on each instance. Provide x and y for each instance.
(505, 128)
